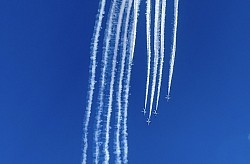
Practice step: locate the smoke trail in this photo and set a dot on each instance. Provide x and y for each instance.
(111, 89)
(171, 69)
(121, 75)
(132, 39)
(106, 49)
(135, 19)
(163, 13)
(148, 24)
(92, 73)
(156, 51)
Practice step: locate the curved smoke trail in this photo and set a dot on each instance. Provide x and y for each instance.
(156, 51)
(111, 89)
(148, 31)
(163, 13)
(92, 73)
(128, 77)
(121, 75)
(107, 39)
(171, 69)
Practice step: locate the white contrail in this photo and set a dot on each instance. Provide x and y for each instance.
(107, 39)
(163, 14)
(156, 51)
(148, 31)
(120, 86)
(111, 89)
(135, 19)
(92, 73)
(131, 46)
(171, 69)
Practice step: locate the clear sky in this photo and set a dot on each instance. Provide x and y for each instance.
(44, 62)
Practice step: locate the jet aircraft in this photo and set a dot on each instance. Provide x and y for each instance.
(155, 112)
(167, 97)
(148, 121)
(144, 111)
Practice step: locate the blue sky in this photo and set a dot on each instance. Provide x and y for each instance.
(44, 61)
